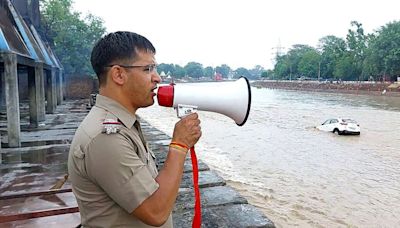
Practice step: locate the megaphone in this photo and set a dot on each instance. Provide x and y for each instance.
(232, 99)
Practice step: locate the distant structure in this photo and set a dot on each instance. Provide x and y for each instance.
(278, 51)
(217, 76)
(162, 74)
(25, 57)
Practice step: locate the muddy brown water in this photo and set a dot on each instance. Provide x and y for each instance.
(297, 175)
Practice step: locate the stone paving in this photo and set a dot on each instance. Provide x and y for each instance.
(42, 161)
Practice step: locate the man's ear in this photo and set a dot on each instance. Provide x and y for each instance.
(118, 75)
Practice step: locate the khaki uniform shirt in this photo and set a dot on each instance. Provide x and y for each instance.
(111, 174)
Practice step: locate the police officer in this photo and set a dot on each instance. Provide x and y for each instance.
(112, 170)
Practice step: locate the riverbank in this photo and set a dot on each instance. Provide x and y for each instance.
(29, 172)
(366, 88)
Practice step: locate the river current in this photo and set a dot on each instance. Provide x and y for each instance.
(297, 175)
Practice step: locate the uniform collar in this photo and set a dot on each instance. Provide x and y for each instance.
(106, 103)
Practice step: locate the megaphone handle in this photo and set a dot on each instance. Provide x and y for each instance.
(184, 110)
(197, 206)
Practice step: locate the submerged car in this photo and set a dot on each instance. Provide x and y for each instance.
(341, 126)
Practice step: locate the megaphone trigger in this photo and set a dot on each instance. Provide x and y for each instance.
(184, 110)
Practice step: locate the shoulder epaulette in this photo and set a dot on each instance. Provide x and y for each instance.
(111, 126)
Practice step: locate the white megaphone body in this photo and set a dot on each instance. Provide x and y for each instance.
(232, 99)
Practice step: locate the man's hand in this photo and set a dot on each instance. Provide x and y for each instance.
(187, 131)
(156, 209)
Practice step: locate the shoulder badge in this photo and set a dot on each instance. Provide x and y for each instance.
(111, 126)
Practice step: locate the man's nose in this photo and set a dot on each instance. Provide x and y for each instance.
(156, 77)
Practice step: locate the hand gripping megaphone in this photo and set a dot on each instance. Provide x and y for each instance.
(232, 99)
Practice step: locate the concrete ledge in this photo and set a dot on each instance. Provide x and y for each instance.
(206, 179)
(211, 197)
(239, 215)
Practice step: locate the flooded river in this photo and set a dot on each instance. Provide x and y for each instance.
(297, 175)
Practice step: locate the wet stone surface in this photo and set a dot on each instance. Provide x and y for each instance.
(210, 196)
(42, 162)
(206, 179)
(65, 220)
(226, 216)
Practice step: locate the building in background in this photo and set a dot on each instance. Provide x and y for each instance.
(29, 70)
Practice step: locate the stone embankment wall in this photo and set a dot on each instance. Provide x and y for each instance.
(370, 88)
(78, 87)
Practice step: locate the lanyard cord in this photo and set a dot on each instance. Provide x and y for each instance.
(197, 206)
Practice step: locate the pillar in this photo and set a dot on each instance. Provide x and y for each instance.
(2, 91)
(12, 99)
(36, 96)
(1, 155)
(51, 91)
(2, 104)
(39, 76)
(64, 84)
(59, 86)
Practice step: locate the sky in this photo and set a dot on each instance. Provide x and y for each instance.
(239, 33)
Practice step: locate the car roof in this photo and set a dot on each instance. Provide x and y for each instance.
(341, 119)
(347, 119)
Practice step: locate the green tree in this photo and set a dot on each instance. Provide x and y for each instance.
(166, 68)
(344, 68)
(70, 36)
(282, 67)
(295, 55)
(383, 56)
(194, 70)
(224, 70)
(309, 64)
(357, 45)
(269, 74)
(209, 72)
(179, 72)
(241, 71)
(255, 73)
(264, 74)
(358, 57)
(333, 48)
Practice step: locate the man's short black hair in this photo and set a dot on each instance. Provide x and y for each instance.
(117, 46)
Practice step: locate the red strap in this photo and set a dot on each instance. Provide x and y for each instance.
(197, 206)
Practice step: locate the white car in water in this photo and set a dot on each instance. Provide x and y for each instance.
(341, 126)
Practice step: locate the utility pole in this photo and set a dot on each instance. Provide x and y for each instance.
(277, 53)
(278, 50)
(319, 70)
